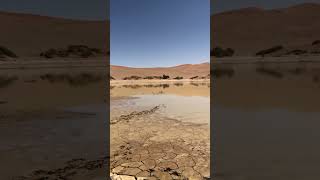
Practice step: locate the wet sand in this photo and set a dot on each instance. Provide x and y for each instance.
(153, 136)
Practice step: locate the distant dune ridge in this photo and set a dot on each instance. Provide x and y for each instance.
(252, 29)
(29, 35)
(186, 71)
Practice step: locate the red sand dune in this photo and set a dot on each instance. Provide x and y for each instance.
(28, 35)
(249, 30)
(185, 71)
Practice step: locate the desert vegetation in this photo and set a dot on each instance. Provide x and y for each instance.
(178, 78)
(132, 78)
(296, 52)
(82, 51)
(165, 77)
(269, 51)
(279, 50)
(137, 86)
(5, 52)
(152, 77)
(220, 52)
(316, 42)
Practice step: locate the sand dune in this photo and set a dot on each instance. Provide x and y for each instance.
(28, 35)
(185, 71)
(252, 29)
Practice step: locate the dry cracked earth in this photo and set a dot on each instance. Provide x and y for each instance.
(149, 145)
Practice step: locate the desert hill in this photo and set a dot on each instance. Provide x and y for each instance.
(28, 35)
(252, 29)
(185, 71)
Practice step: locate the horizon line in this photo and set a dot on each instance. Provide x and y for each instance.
(53, 16)
(265, 8)
(207, 62)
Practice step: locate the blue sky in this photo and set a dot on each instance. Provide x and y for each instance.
(159, 33)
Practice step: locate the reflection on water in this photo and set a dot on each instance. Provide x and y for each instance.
(194, 109)
(188, 101)
(173, 88)
(7, 80)
(266, 120)
(41, 127)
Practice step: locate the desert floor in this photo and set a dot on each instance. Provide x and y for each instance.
(152, 133)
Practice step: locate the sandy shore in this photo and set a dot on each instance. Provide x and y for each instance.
(255, 59)
(126, 82)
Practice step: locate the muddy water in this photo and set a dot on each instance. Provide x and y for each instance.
(49, 117)
(189, 102)
(266, 118)
(171, 141)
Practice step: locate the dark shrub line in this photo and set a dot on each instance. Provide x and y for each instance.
(6, 52)
(147, 77)
(269, 51)
(178, 78)
(316, 42)
(72, 50)
(220, 52)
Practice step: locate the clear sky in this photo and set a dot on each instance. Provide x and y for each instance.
(225, 5)
(159, 33)
(74, 9)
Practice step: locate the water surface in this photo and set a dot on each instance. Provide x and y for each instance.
(266, 118)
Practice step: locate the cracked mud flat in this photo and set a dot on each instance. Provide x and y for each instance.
(151, 141)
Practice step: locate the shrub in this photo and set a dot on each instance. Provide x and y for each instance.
(296, 52)
(75, 50)
(316, 42)
(6, 52)
(178, 78)
(220, 52)
(269, 51)
(132, 78)
(165, 76)
(148, 77)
